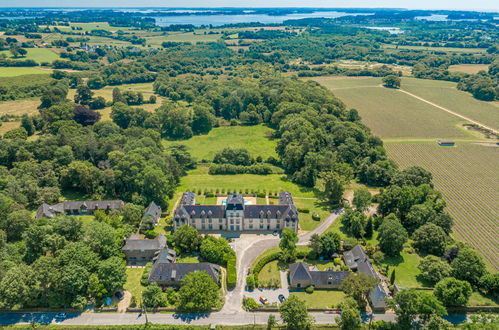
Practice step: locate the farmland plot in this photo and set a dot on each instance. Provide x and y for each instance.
(467, 177)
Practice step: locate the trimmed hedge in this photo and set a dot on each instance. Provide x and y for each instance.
(231, 272)
(260, 169)
(262, 262)
(303, 210)
(144, 280)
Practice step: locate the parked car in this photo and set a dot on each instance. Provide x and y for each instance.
(264, 300)
(60, 317)
(275, 233)
(281, 298)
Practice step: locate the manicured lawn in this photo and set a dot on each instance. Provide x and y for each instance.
(323, 265)
(406, 270)
(200, 179)
(132, 283)
(316, 207)
(37, 54)
(479, 299)
(270, 272)
(321, 298)
(256, 139)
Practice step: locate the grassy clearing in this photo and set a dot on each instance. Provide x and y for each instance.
(479, 299)
(321, 298)
(7, 126)
(200, 179)
(406, 270)
(132, 284)
(467, 176)
(86, 27)
(37, 54)
(156, 41)
(446, 94)
(316, 207)
(187, 259)
(270, 272)
(253, 138)
(14, 72)
(468, 68)
(392, 114)
(29, 106)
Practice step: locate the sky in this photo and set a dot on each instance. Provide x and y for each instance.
(410, 4)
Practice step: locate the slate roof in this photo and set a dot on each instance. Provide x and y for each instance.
(264, 211)
(285, 198)
(355, 256)
(188, 198)
(153, 210)
(235, 202)
(298, 271)
(323, 277)
(133, 243)
(172, 272)
(377, 297)
(51, 211)
(196, 211)
(167, 256)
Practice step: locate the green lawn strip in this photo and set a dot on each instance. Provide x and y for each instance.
(270, 272)
(256, 139)
(407, 273)
(479, 299)
(321, 298)
(199, 179)
(14, 72)
(132, 284)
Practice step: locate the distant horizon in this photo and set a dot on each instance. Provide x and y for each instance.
(485, 10)
(448, 5)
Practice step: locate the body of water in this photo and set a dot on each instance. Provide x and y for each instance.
(217, 20)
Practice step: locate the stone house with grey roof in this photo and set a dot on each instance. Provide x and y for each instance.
(236, 214)
(358, 260)
(77, 208)
(302, 275)
(154, 211)
(139, 251)
(171, 274)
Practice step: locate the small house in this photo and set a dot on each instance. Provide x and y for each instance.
(139, 251)
(302, 275)
(154, 211)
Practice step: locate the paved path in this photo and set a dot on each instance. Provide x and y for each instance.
(495, 131)
(321, 227)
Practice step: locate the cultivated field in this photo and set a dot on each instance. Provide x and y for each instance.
(392, 114)
(467, 177)
(437, 49)
(29, 106)
(253, 138)
(468, 68)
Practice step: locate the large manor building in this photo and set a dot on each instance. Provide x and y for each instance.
(236, 215)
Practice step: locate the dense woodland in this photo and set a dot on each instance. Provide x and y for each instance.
(66, 262)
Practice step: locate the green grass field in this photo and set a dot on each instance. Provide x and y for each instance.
(467, 176)
(270, 272)
(321, 298)
(315, 206)
(200, 179)
(37, 54)
(132, 284)
(14, 72)
(29, 106)
(468, 68)
(86, 27)
(253, 138)
(392, 114)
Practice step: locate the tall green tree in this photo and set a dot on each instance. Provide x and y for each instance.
(430, 239)
(468, 266)
(350, 315)
(453, 292)
(392, 236)
(288, 241)
(186, 238)
(295, 315)
(358, 286)
(361, 199)
(198, 293)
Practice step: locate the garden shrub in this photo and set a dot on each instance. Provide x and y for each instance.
(303, 210)
(309, 289)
